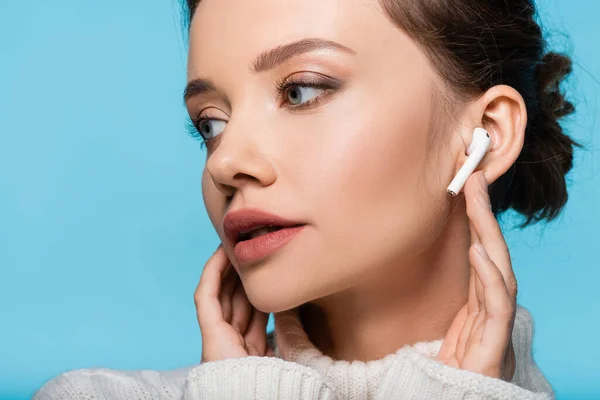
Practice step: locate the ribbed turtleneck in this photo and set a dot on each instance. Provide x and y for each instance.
(300, 371)
(352, 379)
(359, 379)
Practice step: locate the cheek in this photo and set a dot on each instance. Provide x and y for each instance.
(370, 184)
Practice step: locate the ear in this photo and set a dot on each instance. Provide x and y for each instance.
(502, 112)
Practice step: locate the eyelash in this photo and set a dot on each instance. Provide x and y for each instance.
(281, 87)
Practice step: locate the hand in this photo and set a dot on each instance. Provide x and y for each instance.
(230, 326)
(480, 336)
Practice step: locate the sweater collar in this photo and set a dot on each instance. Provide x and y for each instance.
(362, 380)
(292, 344)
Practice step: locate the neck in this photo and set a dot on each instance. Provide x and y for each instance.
(412, 301)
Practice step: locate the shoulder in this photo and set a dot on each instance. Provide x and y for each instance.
(105, 384)
(528, 374)
(523, 314)
(523, 328)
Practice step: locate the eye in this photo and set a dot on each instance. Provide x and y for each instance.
(204, 129)
(306, 90)
(210, 127)
(298, 94)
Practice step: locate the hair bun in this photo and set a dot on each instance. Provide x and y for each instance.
(553, 69)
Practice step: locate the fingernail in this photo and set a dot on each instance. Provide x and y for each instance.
(481, 250)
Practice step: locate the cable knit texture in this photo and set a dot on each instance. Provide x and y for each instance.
(299, 370)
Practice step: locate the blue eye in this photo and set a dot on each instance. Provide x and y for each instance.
(210, 127)
(305, 91)
(298, 94)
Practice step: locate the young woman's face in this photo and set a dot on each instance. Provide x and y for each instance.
(348, 157)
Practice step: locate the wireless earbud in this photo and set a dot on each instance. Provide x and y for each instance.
(476, 150)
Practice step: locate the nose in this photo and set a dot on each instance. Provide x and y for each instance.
(238, 160)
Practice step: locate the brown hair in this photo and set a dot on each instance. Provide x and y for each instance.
(474, 45)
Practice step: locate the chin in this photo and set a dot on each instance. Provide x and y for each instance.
(272, 302)
(273, 297)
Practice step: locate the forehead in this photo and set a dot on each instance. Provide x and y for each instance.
(232, 32)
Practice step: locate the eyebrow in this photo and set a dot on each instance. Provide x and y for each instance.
(268, 60)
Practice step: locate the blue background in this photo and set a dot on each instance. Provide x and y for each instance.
(103, 231)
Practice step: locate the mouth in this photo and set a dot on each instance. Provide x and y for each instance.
(255, 234)
(258, 244)
(250, 223)
(261, 231)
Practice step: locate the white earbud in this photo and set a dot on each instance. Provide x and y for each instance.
(476, 150)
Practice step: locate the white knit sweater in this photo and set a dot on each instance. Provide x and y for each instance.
(301, 371)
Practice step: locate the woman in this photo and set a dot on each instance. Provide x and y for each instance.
(332, 130)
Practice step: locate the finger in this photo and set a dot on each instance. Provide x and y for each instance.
(487, 228)
(474, 284)
(452, 361)
(463, 337)
(473, 259)
(477, 329)
(475, 289)
(206, 296)
(256, 334)
(473, 231)
(499, 306)
(229, 281)
(451, 337)
(242, 309)
(472, 303)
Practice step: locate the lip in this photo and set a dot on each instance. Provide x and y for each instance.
(262, 246)
(252, 250)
